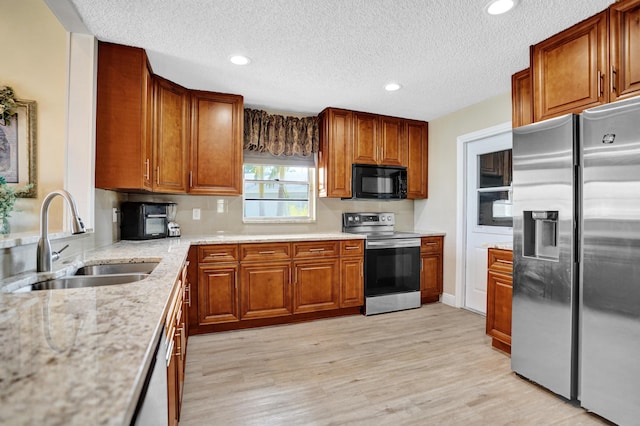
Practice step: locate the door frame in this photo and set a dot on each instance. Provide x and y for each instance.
(461, 190)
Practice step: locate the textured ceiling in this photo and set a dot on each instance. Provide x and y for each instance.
(307, 55)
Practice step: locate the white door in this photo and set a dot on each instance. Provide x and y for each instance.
(488, 210)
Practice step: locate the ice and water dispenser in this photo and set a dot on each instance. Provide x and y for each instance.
(541, 235)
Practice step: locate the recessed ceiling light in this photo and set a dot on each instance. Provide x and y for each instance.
(498, 7)
(239, 60)
(392, 87)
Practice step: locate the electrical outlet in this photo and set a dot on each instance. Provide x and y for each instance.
(196, 214)
(114, 216)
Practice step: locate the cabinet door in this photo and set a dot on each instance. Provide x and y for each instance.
(172, 391)
(625, 49)
(316, 285)
(365, 138)
(217, 294)
(265, 290)
(417, 159)
(499, 291)
(336, 153)
(570, 69)
(123, 118)
(351, 282)
(430, 277)
(147, 133)
(179, 348)
(392, 141)
(521, 99)
(171, 137)
(216, 144)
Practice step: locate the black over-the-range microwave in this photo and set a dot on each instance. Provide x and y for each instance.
(372, 182)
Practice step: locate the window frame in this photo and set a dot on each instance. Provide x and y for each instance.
(312, 177)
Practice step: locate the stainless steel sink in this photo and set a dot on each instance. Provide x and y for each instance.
(80, 281)
(118, 268)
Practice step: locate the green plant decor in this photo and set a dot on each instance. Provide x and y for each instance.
(8, 105)
(8, 197)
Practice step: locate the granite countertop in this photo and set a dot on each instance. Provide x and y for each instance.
(80, 356)
(502, 246)
(427, 233)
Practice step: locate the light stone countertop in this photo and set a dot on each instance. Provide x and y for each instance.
(501, 246)
(80, 356)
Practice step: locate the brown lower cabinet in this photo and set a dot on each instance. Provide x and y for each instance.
(176, 326)
(499, 292)
(254, 284)
(431, 268)
(266, 291)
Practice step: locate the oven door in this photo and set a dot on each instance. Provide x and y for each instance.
(392, 266)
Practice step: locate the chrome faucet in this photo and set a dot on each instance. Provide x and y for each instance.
(45, 256)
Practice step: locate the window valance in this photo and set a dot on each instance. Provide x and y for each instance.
(279, 135)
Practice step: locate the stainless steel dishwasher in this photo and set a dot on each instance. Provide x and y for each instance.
(153, 407)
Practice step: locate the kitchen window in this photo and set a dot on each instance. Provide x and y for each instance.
(278, 190)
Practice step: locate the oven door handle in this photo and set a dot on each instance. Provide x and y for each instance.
(393, 243)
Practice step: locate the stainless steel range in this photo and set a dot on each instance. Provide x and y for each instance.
(391, 262)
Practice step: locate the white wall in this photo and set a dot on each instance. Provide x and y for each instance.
(34, 64)
(439, 211)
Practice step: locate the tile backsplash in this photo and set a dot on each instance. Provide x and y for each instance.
(224, 214)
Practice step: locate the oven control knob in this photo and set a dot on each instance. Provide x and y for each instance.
(389, 218)
(384, 218)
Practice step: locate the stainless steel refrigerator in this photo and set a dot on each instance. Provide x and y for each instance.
(576, 279)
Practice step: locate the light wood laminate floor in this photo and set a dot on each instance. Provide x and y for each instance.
(427, 366)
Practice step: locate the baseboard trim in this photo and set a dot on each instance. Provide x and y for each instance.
(449, 299)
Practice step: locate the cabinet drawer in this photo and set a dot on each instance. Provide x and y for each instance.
(430, 244)
(352, 248)
(315, 249)
(218, 253)
(500, 261)
(260, 252)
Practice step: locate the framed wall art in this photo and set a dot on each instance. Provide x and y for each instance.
(18, 148)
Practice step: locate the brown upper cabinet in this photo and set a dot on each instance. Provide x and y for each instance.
(594, 62)
(123, 118)
(366, 129)
(216, 144)
(153, 135)
(417, 158)
(348, 137)
(336, 153)
(377, 139)
(624, 35)
(521, 100)
(170, 137)
(570, 69)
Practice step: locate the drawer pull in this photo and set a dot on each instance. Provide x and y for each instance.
(216, 254)
(187, 291)
(431, 244)
(316, 249)
(351, 247)
(267, 252)
(178, 335)
(508, 262)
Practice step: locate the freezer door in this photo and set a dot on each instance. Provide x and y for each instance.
(544, 321)
(610, 262)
